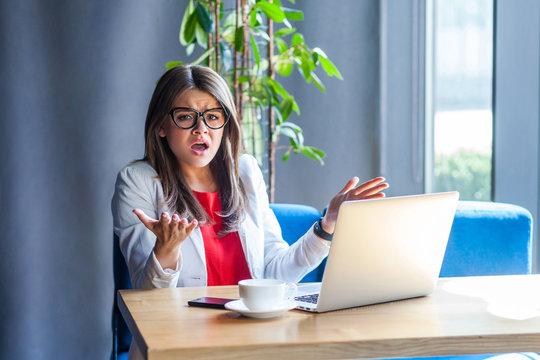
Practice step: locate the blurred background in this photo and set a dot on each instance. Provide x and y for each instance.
(436, 95)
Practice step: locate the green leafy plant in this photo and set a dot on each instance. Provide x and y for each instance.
(243, 44)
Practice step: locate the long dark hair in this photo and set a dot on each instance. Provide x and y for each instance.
(224, 165)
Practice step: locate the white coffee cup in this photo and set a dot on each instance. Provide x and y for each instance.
(265, 294)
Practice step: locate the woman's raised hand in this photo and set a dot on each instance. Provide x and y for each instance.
(369, 190)
(170, 233)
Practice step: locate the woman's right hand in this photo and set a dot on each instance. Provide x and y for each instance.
(170, 233)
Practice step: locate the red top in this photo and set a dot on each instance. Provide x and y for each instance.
(225, 259)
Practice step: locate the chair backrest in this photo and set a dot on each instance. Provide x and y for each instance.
(122, 280)
(489, 238)
(294, 220)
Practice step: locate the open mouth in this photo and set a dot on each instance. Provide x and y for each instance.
(199, 146)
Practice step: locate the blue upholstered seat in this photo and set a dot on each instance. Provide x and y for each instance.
(489, 238)
(486, 239)
(294, 221)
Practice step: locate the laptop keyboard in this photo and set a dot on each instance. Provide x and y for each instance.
(311, 298)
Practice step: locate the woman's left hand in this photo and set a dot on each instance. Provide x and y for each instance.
(369, 190)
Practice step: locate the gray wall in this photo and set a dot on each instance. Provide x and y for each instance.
(516, 110)
(343, 121)
(76, 80)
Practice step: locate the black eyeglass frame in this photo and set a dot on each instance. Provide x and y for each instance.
(199, 114)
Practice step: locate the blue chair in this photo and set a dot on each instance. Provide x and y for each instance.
(294, 219)
(121, 334)
(488, 238)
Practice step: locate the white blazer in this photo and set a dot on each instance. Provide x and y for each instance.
(267, 254)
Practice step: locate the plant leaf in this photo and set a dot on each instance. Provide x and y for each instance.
(255, 18)
(327, 65)
(276, 87)
(205, 18)
(187, 15)
(313, 153)
(287, 23)
(203, 56)
(303, 64)
(284, 68)
(273, 11)
(189, 49)
(283, 32)
(286, 156)
(255, 51)
(286, 131)
(230, 20)
(170, 64)
(293, 126)
(201, 36)
(286, 108)
(297, 39)
(292, 14)
(277, 113)
(243, 78)
(262, 34)
(318, 83)
(281, 45)
(239, 39)
(189, 31)
(298, 142)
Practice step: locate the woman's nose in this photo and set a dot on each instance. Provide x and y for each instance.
(200, 127)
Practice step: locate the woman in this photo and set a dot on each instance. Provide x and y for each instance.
(194, 211)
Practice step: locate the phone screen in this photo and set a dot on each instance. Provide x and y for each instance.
(210, 302)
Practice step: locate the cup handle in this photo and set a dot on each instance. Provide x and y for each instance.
(291, 290)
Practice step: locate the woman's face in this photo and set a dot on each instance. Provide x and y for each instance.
(196, 147)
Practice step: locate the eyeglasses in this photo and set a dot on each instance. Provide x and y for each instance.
(186, 118)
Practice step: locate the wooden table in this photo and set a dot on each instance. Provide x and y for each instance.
(471, 315)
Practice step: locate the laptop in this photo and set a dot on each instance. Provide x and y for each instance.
(383, 250)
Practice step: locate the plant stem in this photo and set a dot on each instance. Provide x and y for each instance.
(271, 118)
(209, 58)
(218, 50)
(235, 70)
(244, 54)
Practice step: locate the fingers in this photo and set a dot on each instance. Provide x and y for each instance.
(165, 219)
(374, 196)
(350, 184)
(145, 219)
(178, 223)
(371, 187)
(192, 225)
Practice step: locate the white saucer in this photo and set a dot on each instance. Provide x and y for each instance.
(241, 308)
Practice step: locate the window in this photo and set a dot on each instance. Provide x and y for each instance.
(459, 68)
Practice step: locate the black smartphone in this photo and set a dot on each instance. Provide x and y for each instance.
(209, 302)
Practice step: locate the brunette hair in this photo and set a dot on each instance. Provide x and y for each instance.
(224, 165)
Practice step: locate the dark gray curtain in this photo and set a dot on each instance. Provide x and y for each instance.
(75, 80)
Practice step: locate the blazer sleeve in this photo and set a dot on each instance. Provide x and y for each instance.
(281, 261)
(138, 188)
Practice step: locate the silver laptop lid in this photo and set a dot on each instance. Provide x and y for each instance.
(387, 249)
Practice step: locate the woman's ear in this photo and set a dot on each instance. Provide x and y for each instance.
(162, 133)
